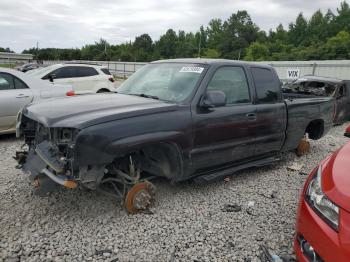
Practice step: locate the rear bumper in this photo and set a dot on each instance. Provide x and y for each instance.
(326, 242)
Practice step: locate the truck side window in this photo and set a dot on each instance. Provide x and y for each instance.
(233, 82)
(267, 87)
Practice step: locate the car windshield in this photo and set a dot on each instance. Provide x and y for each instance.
(165, 81)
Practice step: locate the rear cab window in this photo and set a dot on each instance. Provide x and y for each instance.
(267, 87)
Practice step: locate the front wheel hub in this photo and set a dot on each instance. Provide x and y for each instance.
(139, 197)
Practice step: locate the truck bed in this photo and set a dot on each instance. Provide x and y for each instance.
(303, 110)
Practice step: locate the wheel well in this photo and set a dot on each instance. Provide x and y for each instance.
(160, 159)
(103, 90)
(315, 129)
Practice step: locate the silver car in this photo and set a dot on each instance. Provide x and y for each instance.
(18, 89)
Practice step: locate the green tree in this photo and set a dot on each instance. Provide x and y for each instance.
(337, 47)
(298, 31)
(211, 53)
(167, 44)
(214, 33)
(238, 33)
(7, 50)
(342, 20)
(143, 47)
(257, 52)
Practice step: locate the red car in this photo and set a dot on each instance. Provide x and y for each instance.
(323, 220)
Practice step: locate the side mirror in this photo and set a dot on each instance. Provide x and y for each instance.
(347, 132)
(52, 77)
(213, 99)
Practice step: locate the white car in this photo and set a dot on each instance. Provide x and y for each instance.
(85, 78)
(18, 89)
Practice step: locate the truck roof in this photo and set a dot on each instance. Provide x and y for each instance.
(210, 61)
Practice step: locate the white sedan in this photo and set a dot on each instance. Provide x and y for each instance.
(18, 89)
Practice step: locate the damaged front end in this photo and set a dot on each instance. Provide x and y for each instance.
(48, 155)
(49, 160)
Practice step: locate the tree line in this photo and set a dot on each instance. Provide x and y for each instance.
(322, 36)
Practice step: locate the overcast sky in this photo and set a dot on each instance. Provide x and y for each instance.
(74, 23)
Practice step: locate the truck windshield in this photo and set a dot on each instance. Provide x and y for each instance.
(165, 81)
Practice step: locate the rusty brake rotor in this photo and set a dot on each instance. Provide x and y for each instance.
(139, 197)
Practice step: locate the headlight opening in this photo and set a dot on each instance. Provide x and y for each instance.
(320, 203)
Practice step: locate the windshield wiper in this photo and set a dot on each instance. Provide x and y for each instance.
(147, 96)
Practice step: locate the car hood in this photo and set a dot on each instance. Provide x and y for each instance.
(83, 111)
(336, 177)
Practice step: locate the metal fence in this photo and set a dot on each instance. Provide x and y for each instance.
(12, 59)
(289, 70)
(286, 70)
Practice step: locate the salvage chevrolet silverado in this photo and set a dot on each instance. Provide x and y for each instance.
(178, 119)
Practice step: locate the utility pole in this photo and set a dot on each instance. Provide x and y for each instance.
(200, 43)
(37, 51)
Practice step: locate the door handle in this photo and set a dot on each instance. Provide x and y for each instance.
(21, 96)
(251, 116)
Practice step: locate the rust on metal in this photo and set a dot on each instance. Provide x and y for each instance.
(70, 184)
(36, 183)
(139, 197)
(303, 147)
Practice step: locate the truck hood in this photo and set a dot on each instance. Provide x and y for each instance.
(83, 111)
(336, 177)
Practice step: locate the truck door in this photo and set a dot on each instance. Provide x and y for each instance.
(225, 134)
(271, 111)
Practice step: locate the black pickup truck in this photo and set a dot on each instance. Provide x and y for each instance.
(177, 119)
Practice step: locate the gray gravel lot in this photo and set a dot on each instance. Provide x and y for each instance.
(186, 223)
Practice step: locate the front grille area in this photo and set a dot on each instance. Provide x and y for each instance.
(33, 131)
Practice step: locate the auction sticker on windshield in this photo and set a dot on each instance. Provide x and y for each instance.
(191, 69)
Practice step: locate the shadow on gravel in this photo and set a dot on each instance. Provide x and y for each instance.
(7, 138)
(92, 204)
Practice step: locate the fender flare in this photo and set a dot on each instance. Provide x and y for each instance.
(129, 144)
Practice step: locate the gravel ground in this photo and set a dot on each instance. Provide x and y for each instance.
(186, 223)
